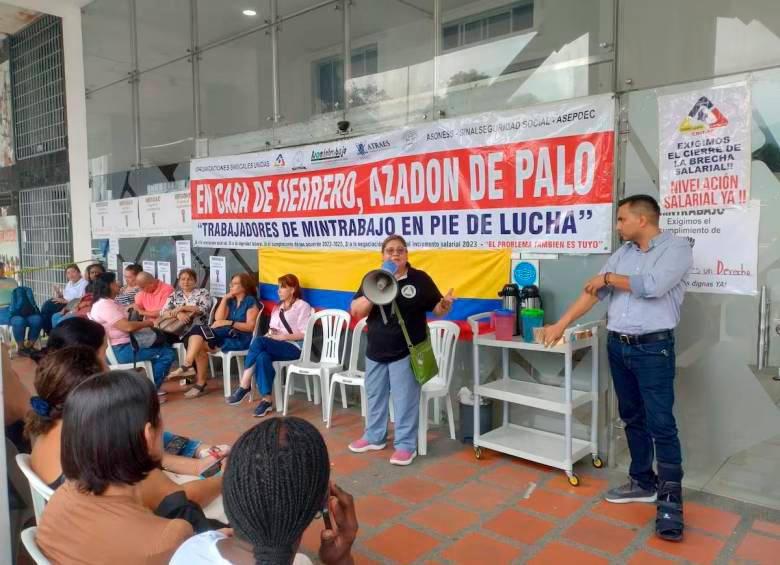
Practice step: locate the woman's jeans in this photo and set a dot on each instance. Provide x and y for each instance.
(264, 351)
(161, 357)
(20, 323)
(381, 378)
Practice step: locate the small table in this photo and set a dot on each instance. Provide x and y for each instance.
(555, 450)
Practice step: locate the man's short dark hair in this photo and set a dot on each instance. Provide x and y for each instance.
(103, 440)
(135, 268)
(644, 205)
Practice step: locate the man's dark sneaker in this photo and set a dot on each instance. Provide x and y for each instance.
(263, 408)
(632, 491)
(236, 398)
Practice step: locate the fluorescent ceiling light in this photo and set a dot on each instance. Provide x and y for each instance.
(249, 12)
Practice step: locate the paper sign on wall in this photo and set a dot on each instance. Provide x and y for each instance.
(723, 262)
(126, 218)
(165, 214)
(183, 255)
(704, 138)
(113, 251)
(150, 267)
(218, 276)
(525, 272)
(164, 271)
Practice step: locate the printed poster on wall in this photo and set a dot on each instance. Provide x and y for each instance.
(164, 271)
(150, 267)
(127, 217)
(217, 275)
(183, 255)
(165, 214)
(538, 178)
(705, 156)
(6, 117)
(9, 245)
(722, 262)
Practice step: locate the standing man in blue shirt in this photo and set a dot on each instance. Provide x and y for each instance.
(644, 285)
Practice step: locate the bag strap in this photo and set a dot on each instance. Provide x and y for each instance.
(401, 322)
(284, 321)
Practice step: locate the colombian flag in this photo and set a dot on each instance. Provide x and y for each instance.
(331, 278)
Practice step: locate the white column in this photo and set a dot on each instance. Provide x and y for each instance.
(76, 107)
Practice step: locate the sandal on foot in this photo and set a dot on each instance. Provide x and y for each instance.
(196, 391)
(669, 515)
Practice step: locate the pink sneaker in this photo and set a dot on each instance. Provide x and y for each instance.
(403, 457)
(361, 446)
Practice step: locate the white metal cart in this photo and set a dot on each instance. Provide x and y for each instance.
(547, 448)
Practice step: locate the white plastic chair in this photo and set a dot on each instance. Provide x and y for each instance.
(352, 376)
(28, 540)
(444, 338)
(335, 324)
(228, 356)
(115, 365)
(6, 334)
(41, 492)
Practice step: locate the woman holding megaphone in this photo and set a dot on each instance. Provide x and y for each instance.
(388, 364)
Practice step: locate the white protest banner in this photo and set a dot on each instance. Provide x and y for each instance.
(183, 255)
(723, 263)
(165, 214)
(127, 218)
(217, 275)
(538, 178)
(150, 267)
(164, 271)
(704, 139)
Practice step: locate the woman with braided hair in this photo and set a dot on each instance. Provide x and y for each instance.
(277, 482)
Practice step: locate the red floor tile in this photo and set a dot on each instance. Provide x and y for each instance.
(643, 557)
(414, 490)
(557, 552)
(512, 477)
(361, 559)
(635, 514)
(767, 527)
(311, 537)
(758, 549)
(600, 535)
(712, 520)
(488, 457)
(451, 471)
(519, 526)
(401, 544)
(479, 496)
(696, 547)
(589, 486)
(479, 549)
(348, 463)
(548, 502)
(376, 510)
(444, 518)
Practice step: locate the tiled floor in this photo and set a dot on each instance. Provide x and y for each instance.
(449, 507)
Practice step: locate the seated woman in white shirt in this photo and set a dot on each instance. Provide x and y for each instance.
(283, 342)
(73, 290)
(276, 484)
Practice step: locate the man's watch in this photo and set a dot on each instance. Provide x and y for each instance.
(606, 279)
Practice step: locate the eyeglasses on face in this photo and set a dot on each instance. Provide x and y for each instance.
(394, 250)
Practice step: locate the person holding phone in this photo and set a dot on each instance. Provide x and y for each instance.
(283, 342)
(231, 330)
(270, 463)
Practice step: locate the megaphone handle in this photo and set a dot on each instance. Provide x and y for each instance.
(384, 316)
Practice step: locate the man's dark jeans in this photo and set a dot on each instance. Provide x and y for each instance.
(644, 383)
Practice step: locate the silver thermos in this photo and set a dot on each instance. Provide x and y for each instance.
(510, 300)
(530, 297)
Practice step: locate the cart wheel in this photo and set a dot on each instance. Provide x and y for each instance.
(597, 462)
(574, 480)
(478, 452)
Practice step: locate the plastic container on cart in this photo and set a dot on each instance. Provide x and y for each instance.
(504, 324)
(532, 318)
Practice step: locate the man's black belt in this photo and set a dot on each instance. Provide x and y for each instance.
(642, 339)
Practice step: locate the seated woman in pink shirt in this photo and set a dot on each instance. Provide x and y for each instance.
(283, 342)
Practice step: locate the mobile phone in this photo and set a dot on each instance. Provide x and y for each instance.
(207, 332)
(326, 518)
(212, 470)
